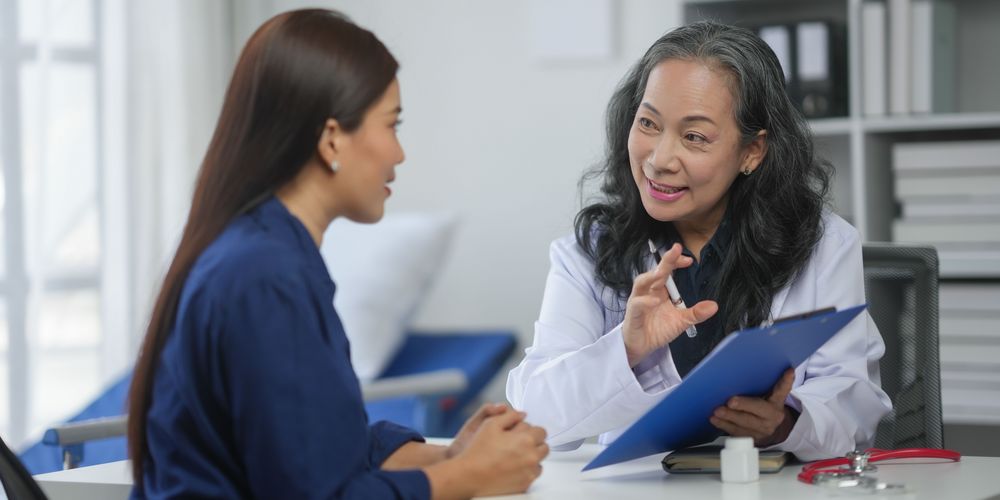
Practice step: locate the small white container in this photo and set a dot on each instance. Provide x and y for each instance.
(740, 461)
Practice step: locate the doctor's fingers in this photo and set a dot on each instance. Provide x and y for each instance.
(743, 423)
(656, 278)
(765, 410)
(783, 387)
(674, 259)
(735, 430)
(701, 311)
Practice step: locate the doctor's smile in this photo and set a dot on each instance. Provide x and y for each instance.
(664, 192)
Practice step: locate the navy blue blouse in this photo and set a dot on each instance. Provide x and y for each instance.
(254, 395)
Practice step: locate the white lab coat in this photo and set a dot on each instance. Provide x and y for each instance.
(575, 380)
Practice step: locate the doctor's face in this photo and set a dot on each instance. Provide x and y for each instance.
(368, 158)
(684, 145)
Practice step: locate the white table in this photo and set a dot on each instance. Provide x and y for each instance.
(108, 481)
(972, 478)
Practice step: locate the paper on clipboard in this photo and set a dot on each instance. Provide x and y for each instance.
(747, 362)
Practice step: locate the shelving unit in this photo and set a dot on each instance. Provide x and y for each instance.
(860, 147)
(869, 202)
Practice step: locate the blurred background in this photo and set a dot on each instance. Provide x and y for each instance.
(107, 107)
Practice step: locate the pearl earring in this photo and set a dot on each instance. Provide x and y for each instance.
(334, 166)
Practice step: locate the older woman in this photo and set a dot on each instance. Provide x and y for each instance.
(710, 165)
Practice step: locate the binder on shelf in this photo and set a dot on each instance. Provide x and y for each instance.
(813, 58)
(899, 56)
(933, 56)
(873, 58)
(777, 37)
(744, 363)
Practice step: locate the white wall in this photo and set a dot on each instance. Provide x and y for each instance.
(496, 136)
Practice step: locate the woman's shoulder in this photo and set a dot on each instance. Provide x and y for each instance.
(839, 240)
(245, 255)
(837, 232)
(568, 250)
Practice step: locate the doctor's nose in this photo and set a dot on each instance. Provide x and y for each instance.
(662, 158)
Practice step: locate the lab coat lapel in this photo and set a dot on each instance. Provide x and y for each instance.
(779, 302)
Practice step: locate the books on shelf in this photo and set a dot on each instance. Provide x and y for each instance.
(933, 210)
(949, 194)
(954, 232)
(961, 298)
(944, 157)
(970, 360)
(971, 264)
(954, 186)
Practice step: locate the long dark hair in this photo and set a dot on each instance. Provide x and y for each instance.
(297, 70)
(775, 213)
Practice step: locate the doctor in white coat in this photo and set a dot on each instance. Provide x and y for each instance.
(708, 163)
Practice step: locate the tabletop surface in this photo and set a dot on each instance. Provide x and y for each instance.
(973, 478)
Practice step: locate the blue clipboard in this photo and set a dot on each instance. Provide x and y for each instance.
(747, 362)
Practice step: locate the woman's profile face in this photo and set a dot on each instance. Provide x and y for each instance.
(368, 159)
(684, 144)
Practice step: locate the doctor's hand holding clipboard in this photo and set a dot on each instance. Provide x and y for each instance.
(655, 316)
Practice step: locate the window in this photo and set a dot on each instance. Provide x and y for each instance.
(53, 338)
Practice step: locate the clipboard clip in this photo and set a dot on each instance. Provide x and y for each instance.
(805, 315)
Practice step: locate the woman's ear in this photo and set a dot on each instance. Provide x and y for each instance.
(328, 147)
(754, 152)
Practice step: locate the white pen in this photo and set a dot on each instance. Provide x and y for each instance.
(675, 295)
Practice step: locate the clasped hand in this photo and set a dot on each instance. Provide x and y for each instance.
(651, 319)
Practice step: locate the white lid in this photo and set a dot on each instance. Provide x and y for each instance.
(739, 443)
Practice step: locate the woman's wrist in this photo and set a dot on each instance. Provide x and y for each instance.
(415, 454)
(453, 478)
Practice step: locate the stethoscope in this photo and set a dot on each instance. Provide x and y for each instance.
(832, 473)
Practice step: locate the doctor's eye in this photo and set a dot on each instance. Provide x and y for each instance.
(647, 123)
(695, 138)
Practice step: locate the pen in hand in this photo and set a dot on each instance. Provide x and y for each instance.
(675, 295)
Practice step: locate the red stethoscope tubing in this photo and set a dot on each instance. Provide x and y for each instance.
(809, 471)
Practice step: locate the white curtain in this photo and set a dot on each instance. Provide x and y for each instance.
(179, 58)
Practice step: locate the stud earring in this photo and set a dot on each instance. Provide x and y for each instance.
(334, 166)
(747, 171)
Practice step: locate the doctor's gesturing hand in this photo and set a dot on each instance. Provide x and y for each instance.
(651, 319)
